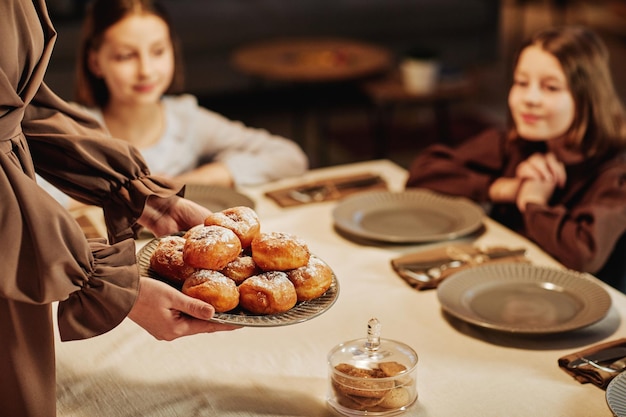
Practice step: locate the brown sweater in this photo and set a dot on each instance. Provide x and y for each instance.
(582, 222)
(44, 255)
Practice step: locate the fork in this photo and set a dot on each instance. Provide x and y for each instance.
(614, 367)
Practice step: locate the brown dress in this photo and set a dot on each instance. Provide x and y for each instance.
(44, 255)
(582, 221)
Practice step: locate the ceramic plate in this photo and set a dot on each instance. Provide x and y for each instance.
(216, 198)
(616, 395)
(407, 217)
(524, 298)
(302, 311)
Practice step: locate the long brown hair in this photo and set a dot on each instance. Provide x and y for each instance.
(101, 15)
(599, 124)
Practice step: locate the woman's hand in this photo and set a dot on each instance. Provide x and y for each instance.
(542, 167)
(169, 215)
(168, 314)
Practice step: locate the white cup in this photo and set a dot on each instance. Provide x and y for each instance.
(420, 76)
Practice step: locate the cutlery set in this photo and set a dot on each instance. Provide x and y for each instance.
(430, 270)
(326, 189)
(320, 192)
(423, 270)
(611, 360)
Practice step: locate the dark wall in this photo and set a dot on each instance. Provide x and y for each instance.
(464, 32)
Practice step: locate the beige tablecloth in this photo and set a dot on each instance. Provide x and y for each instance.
(462, 371)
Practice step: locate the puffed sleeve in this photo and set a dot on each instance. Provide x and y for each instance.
(582, 235)
(45, 256)
(71, 151)
(467, 170)
(48, 258)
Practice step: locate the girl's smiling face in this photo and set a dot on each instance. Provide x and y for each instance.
(135, 60)
(540, 101)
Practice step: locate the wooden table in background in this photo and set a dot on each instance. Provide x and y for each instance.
(388, 93)
(312, 61)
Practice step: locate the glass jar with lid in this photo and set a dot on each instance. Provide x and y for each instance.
(372, 376)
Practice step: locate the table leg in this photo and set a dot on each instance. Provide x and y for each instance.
(383, 118)
(442, 122)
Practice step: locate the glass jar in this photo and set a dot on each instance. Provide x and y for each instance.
(372, 376)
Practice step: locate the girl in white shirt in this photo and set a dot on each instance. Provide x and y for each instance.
(127, 69)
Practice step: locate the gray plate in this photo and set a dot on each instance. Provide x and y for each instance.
(524, 298)
(216, 198)
(301, 312)
(616, 395)
(407, 217)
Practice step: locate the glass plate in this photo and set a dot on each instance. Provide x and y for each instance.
(216, 198)
(407, 217)
(524, 298)
(616, 395)
(302, 311)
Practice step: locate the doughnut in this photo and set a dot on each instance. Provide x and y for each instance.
(241, 219)
(214, 288)
(278, 251)
(241, 268)
(210, 247)
(312, 280)
(193, 230)
(167, 260)
(267, 293)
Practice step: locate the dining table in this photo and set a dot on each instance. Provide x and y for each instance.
(463, 369)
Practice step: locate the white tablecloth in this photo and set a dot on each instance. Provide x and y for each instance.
(462, 371)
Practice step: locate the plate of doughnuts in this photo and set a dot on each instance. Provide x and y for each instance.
(252, 278)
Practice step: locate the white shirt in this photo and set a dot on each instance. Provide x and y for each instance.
(194, 135)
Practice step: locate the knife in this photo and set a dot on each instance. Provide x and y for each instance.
(605, 355)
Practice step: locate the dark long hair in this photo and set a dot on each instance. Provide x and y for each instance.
(599, 124)
(101, 15)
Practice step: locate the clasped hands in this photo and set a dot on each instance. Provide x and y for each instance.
(535, 180)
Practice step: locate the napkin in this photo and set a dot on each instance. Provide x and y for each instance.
(327, 189)
(587, 373)
(427, 269)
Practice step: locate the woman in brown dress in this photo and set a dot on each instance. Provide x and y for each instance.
(44, 255)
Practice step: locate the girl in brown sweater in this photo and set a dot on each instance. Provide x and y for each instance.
(558, 175)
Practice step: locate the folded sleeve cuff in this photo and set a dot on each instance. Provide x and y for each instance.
(106, 297)
(125, 207)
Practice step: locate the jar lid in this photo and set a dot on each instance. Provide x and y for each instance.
(372, 351)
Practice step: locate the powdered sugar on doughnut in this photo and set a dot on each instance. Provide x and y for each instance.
(241, 219)
(211, 247)
(210, 235)
(215, 276)
(270, 280)
(278, 239)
